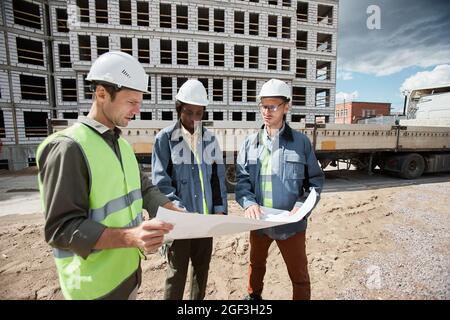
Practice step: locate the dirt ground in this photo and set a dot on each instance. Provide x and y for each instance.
(385, 243)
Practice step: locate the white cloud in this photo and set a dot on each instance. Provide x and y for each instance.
(405, 39)
(438, 76)
(347, 97)
(345, 75)
(381, 64)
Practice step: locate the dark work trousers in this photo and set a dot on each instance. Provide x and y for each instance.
(293, 251)
(198, 251)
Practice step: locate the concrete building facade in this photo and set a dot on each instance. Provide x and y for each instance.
(233, 47)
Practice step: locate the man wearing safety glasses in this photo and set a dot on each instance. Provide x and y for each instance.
(277, 168)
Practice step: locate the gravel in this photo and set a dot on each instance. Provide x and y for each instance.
(419, 265)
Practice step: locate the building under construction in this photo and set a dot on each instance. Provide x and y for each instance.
(232, 47)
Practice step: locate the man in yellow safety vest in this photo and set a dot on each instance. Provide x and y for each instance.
(93, 191)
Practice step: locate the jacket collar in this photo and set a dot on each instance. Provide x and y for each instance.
(286, 134)
(97, 126)
(177, 132)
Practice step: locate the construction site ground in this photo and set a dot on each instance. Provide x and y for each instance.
(370, 237)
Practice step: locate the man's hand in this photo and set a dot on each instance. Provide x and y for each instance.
(171, 206)
(149, 236)
(253, 212)
(294, 211)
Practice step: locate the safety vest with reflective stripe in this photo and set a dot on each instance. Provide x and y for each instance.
(266, 178)
(115, 200)
(200, 173)
(202, 185)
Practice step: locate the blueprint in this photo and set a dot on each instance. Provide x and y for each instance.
(194, 225)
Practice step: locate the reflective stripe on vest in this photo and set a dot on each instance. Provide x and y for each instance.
(59, 253)
(202, 185)
(114, 205)
(205, 206)
(266, 178)
(115, 201)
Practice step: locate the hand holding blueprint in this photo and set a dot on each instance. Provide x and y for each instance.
(194, 225)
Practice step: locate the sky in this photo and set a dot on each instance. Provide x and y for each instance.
(380, 59)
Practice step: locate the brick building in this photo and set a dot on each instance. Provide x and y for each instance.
(351, 112)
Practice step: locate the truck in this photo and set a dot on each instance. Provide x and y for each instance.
(408, 149)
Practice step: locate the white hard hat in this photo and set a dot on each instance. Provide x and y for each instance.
(193, 92)
(275, 88)
(121, 69)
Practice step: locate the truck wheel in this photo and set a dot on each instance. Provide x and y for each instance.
(413, 166)
(230, 177)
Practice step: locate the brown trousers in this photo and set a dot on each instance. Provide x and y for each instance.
(293, 251)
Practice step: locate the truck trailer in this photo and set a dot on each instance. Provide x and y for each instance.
(420, 144)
